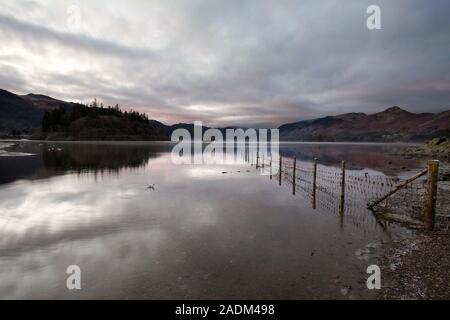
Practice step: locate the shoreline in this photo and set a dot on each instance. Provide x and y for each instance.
(416, 268)
(172, 142)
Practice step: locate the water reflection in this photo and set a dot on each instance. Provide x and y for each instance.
(381, 157)
(49, 159)
(95, 158)
(217, 231)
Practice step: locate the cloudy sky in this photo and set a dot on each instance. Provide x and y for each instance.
(255, 63)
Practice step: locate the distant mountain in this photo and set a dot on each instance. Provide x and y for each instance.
(17, 115)
(187, 126)
(190, 128)
(23, 116)
(46, 103)
(43, 117)
(393, 124)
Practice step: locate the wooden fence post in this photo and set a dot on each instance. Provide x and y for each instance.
(293, 175)
(281, 161)
(314, 182)
(257, 159)
(343, 180)
(315, 174)
(430, 210)
(270, 166)
(342, 204)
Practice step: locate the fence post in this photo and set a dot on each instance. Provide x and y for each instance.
(281, 161)
(270, 166)
(343, 180)
(293, 175)
(314, 182)
(341, 207)
(257, 159)
(315, 174)
(433, 176)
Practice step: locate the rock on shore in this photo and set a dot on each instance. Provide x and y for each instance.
(438, 147)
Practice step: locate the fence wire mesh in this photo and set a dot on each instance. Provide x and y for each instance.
(361, 187)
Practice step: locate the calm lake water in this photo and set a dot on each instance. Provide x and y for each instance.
(203, 232)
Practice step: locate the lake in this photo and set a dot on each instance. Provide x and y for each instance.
(140, 227)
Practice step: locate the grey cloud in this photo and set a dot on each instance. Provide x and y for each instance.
(265, 62)
(32, 32)
(10, 78)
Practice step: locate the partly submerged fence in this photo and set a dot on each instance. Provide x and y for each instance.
(357, 189)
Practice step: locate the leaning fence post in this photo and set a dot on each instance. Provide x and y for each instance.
(293, 175)
(433, 175)
(281, 159)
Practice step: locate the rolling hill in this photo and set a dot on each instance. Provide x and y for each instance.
(17, 115)
(393, 124)
(23, 116)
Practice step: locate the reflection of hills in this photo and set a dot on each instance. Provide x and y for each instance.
(357, 156)
(51, 159)
(15, 168)
(96, 157)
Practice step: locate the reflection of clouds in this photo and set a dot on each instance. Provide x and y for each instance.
(167, 243)
(51, 207)
(202, 173)
(113, 219)
(67, 206)
(37, 275)
(213, 173)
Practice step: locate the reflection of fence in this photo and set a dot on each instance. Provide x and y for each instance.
(362, 189)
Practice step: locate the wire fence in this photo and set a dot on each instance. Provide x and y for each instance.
(349, 192)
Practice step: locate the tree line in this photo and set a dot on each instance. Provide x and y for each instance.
(60, 119)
